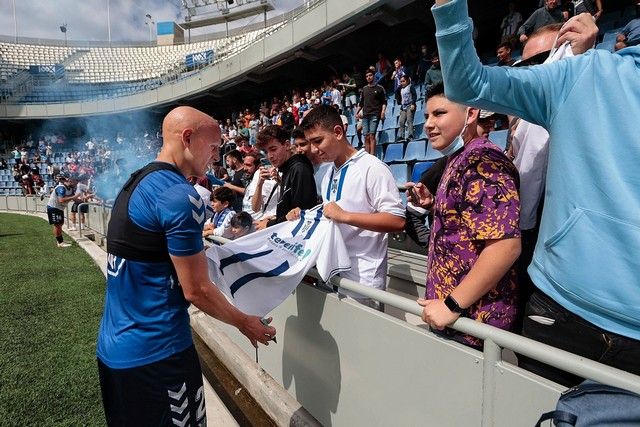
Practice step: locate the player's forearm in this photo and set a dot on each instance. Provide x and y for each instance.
(208, 298)
(494, 262)
(381, 221)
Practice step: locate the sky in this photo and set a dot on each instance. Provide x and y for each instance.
(87, 19)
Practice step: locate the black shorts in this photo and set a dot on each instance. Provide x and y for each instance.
(56, 216)
(83, 208)
(164, 393)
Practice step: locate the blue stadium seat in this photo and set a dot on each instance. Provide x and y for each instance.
(418, 169)
(499, 137)
(387, 136)
(351, 129)
(400, 173)
(394, 153)
(354, 141)
(418, 131)
(403, 198)
(415, 150)
(390, 121)
(418, 117)
(431, 153)
(379, 151)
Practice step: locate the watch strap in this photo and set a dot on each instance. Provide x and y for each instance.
(453, 305)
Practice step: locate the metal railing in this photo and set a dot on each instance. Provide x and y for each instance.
(494, 339)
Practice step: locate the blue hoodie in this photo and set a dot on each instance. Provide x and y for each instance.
(588, 253)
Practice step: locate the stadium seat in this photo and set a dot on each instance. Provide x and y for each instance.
(431, 153)
(379, 151)
(387, 136)
(400, 173)
(499, 137)
(419, 132)
(415, 151)
(390, 121)
(351, 129)
(418, 169)
(394, 153)
(418, 117)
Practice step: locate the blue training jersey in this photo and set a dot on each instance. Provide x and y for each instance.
(145, 313)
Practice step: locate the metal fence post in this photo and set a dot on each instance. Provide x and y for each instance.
(492, 354)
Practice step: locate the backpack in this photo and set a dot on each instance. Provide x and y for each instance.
(593, 404)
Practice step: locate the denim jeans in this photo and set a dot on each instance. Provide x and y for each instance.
(550, 323)
(406, 123)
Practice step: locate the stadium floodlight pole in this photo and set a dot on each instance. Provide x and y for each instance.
(109, 22)
(15, 22)
(63, 29)
(149, 21)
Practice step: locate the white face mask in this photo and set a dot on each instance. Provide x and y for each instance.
(458, 142)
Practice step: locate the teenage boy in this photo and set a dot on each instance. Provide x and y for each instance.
(297, 186)
(475, 236)
(371, 110)
(360, 194)
(61, 195)
(222, 199)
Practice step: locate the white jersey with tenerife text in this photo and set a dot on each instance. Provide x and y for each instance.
(259, 271)
(364, 184)
(269, 189)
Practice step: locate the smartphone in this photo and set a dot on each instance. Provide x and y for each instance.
(412, 193)
(265, 162)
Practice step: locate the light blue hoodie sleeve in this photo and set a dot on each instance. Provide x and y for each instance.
(515, 91)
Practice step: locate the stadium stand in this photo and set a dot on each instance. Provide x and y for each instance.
(50, 74)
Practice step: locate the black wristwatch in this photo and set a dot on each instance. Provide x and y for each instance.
(453, 305)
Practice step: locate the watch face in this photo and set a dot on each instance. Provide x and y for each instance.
(452, 305)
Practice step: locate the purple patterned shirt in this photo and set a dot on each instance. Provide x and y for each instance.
(477, 200)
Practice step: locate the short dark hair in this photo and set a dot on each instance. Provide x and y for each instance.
(235, 154)
(324, 116)
(435, 90)
(297, 133)
(256, 157)
(505, 45)
(272, 132)
(223, 194)
(242, 219)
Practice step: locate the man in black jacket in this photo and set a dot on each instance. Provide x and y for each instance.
(294, 172)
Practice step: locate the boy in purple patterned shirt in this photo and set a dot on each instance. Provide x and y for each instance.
(475, 237)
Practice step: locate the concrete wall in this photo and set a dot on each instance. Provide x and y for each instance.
(352, 366)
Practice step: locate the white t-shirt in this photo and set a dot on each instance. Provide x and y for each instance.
(267, 188)
(336, 97)
(364, 184)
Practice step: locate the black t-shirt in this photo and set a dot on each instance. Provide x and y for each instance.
(373, 98)
(240, 180)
